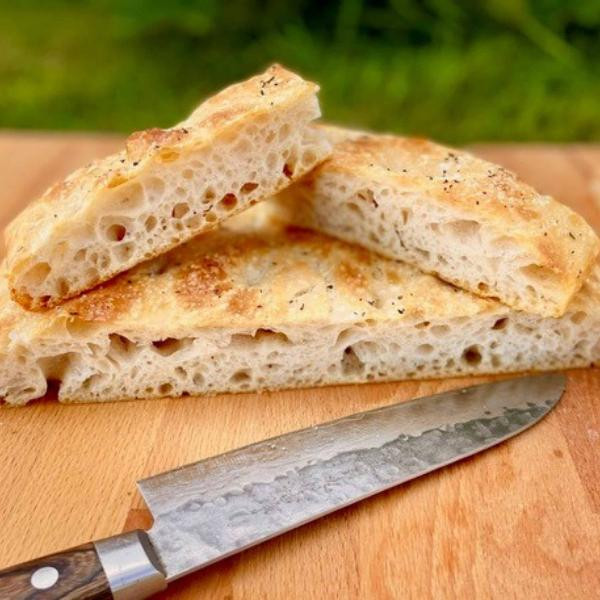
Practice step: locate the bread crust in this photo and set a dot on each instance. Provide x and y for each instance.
(265, 290)
(77, 203)
(548, 235)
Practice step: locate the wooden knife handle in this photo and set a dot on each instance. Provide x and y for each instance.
(76, 574)
(121, 567)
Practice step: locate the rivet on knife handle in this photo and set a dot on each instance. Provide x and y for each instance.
(122, 567)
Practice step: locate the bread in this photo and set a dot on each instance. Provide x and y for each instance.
(255, 307)
(238, 147)
(469, 221)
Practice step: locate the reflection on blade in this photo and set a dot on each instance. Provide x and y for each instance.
(221, 505)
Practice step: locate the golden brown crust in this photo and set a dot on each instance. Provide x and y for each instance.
(107, 302)
(269, 277)
(554, 236)
(73, 200)
(243, 278)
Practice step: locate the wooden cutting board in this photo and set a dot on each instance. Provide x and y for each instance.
(522, 520)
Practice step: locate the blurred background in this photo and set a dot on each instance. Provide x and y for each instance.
(458, 71)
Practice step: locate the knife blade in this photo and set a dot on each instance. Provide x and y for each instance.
(211, 509)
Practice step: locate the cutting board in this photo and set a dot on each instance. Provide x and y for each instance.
(522, 520)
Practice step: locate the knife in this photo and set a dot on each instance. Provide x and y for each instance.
(206, 511)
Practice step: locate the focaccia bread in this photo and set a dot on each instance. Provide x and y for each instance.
(266, 306)
(240, 146)
(449, 213)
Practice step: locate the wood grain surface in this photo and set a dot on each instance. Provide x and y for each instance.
(519, 521)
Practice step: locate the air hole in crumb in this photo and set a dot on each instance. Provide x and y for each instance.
(422, 325)
(62, 286)
(228, 201)
(121, 345)
(37, 274)
(116, 232)
(209, 194)
(354, 208)
(440, 330)
(261, 336)
(242, 147)
(198, 379)
(210, 217)
(150, 223)
(241, 376)
(531, 291)
(249, 186)
(284, 131)
(187, 173)
(154, 186)
(169, 346)
(425, 349)
(472, 355)
(271, 160)
(405, 214)
(500, 323)
(90, 381)
(483, 287)
(578, 317)
(288, 171)
(165, 389)
(463, 229)
(181, 373)
(124, 251)
(193, 222)
(80, 255)
(180, 210)
(351, 364)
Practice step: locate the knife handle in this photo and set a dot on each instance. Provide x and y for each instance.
(75, 573)
(123, 567)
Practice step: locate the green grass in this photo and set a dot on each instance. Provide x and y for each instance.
(456, 71)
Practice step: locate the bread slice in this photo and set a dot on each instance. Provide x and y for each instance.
(255, 307)
(471, 222)
(238, 147)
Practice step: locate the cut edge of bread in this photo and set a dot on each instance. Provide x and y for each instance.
(331, 313)
(126, 365)
(354, 198)
(180, 182)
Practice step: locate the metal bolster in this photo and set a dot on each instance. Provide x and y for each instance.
(131, 566)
